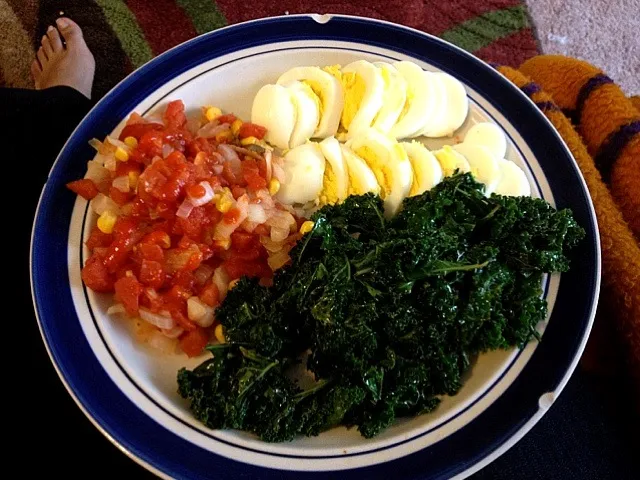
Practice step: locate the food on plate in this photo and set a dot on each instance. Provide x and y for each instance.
(451, 161)
(389, 311)
(426, 169)
(400, 100)
(513, 180)
(184, 209)
(304, 168)
(490, 136)
(482, 164)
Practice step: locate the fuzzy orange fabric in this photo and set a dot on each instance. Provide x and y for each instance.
(620, 251)
(636, 102)
(602, 112)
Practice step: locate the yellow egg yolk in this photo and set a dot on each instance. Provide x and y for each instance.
(379, 167)
(447, 157)
(329, 194)
(354, 91)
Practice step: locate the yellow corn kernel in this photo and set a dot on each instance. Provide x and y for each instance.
(224, 244)
(274, 186)
(249, 141)
(212, 113)
(106, 221)
(306, 227)
(233, 283)
(131, 142)
(224, 136)
(224, 204)
(121, 154)
(226, 191)
(235, 127)
(133, 180)
(219, 333)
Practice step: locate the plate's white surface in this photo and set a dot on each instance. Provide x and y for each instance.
(149, 379)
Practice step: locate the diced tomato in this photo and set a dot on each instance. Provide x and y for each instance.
(96, 276)
(174, 114)
(251, 174)
(193, 342)
(98, 239)
(210, 294)
(157, 237)
(119, 196)
(192, 225)
(231, 216)
(227, 118)
(124, 228)
(152, 273)
(184, 279)
(128, 291)
(137, 130)
(150, 251)
(178, 313)
(242, 241)
(252, 130)
(84, 187)
(150, 144)
(152, 300)
(183, 259)
(124, 168)
(237, 268)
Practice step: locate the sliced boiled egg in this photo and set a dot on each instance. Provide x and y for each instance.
(330, 94)
(389, 162)
(361, 178)
(450, 161)
(490, 136)
(427, 172)
(456, 108)
(395, 96)
(363, 95)
(304, 174)
(307, 107)
(513, 181)
(435, 118)
(484, 166)
(274, 109)
(336, 177)
(418, 104)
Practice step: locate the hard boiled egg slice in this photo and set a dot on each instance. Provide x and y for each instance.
(363, 95)
(427, 172)
(389, 162)
(395, 96)
(513, 181)
(304, 173)
(418, 106)
(456, 108)
(490, 136)
(330, 94)
(274, 109)
(484, 166)
(307, 107)
(450, 161)
(361, 178)
(436, 117)
(336, 176)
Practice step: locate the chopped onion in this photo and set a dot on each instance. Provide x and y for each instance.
(278, 260)
(281, 219)
(175, 332)
(266, 200)
(248, 226)
(203, 273)
(97, 172)
(221, 280)
(247, 152)
(110, 163)
(206, 198)
(185, 209)
(256, 213)
(223, 230)
(116, 309)
(270, 245)
(166, 150)
(217, 169)
(117, 143)
(232, 157)
(267, 160)
(279, 234)
(102, 203)
(193, 125)
(212, 129)
(277, 164)
(161, 342)
(121, 183)
(165, 322)
(199, 312)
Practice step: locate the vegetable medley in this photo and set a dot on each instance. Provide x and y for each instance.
(184, 211)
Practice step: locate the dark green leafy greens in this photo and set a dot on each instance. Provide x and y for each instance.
(390, 312)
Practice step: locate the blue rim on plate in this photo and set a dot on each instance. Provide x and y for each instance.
(466, 450)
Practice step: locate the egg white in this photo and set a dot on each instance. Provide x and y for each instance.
(484, 166)
(304, 173)
(427, 172)
(361, 107)
(450, 161)
(513, 181)
(274, 109)
(435, 118)
(361, 178)
(456, 108)
(490, 136)
(307, 112)
(419, 105)
(395, 96)
(332, 152)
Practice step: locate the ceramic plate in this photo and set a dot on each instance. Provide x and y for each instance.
(129, 392)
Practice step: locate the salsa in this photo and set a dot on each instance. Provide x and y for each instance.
(185, 208)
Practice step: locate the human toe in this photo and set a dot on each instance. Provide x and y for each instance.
(54, 39)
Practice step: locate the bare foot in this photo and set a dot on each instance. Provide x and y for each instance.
(57, 65)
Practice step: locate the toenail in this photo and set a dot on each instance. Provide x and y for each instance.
(50, 29)
(62, 22)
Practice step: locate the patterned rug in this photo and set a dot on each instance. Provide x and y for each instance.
(124, 34)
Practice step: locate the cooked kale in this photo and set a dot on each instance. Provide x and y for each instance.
(391, 311)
